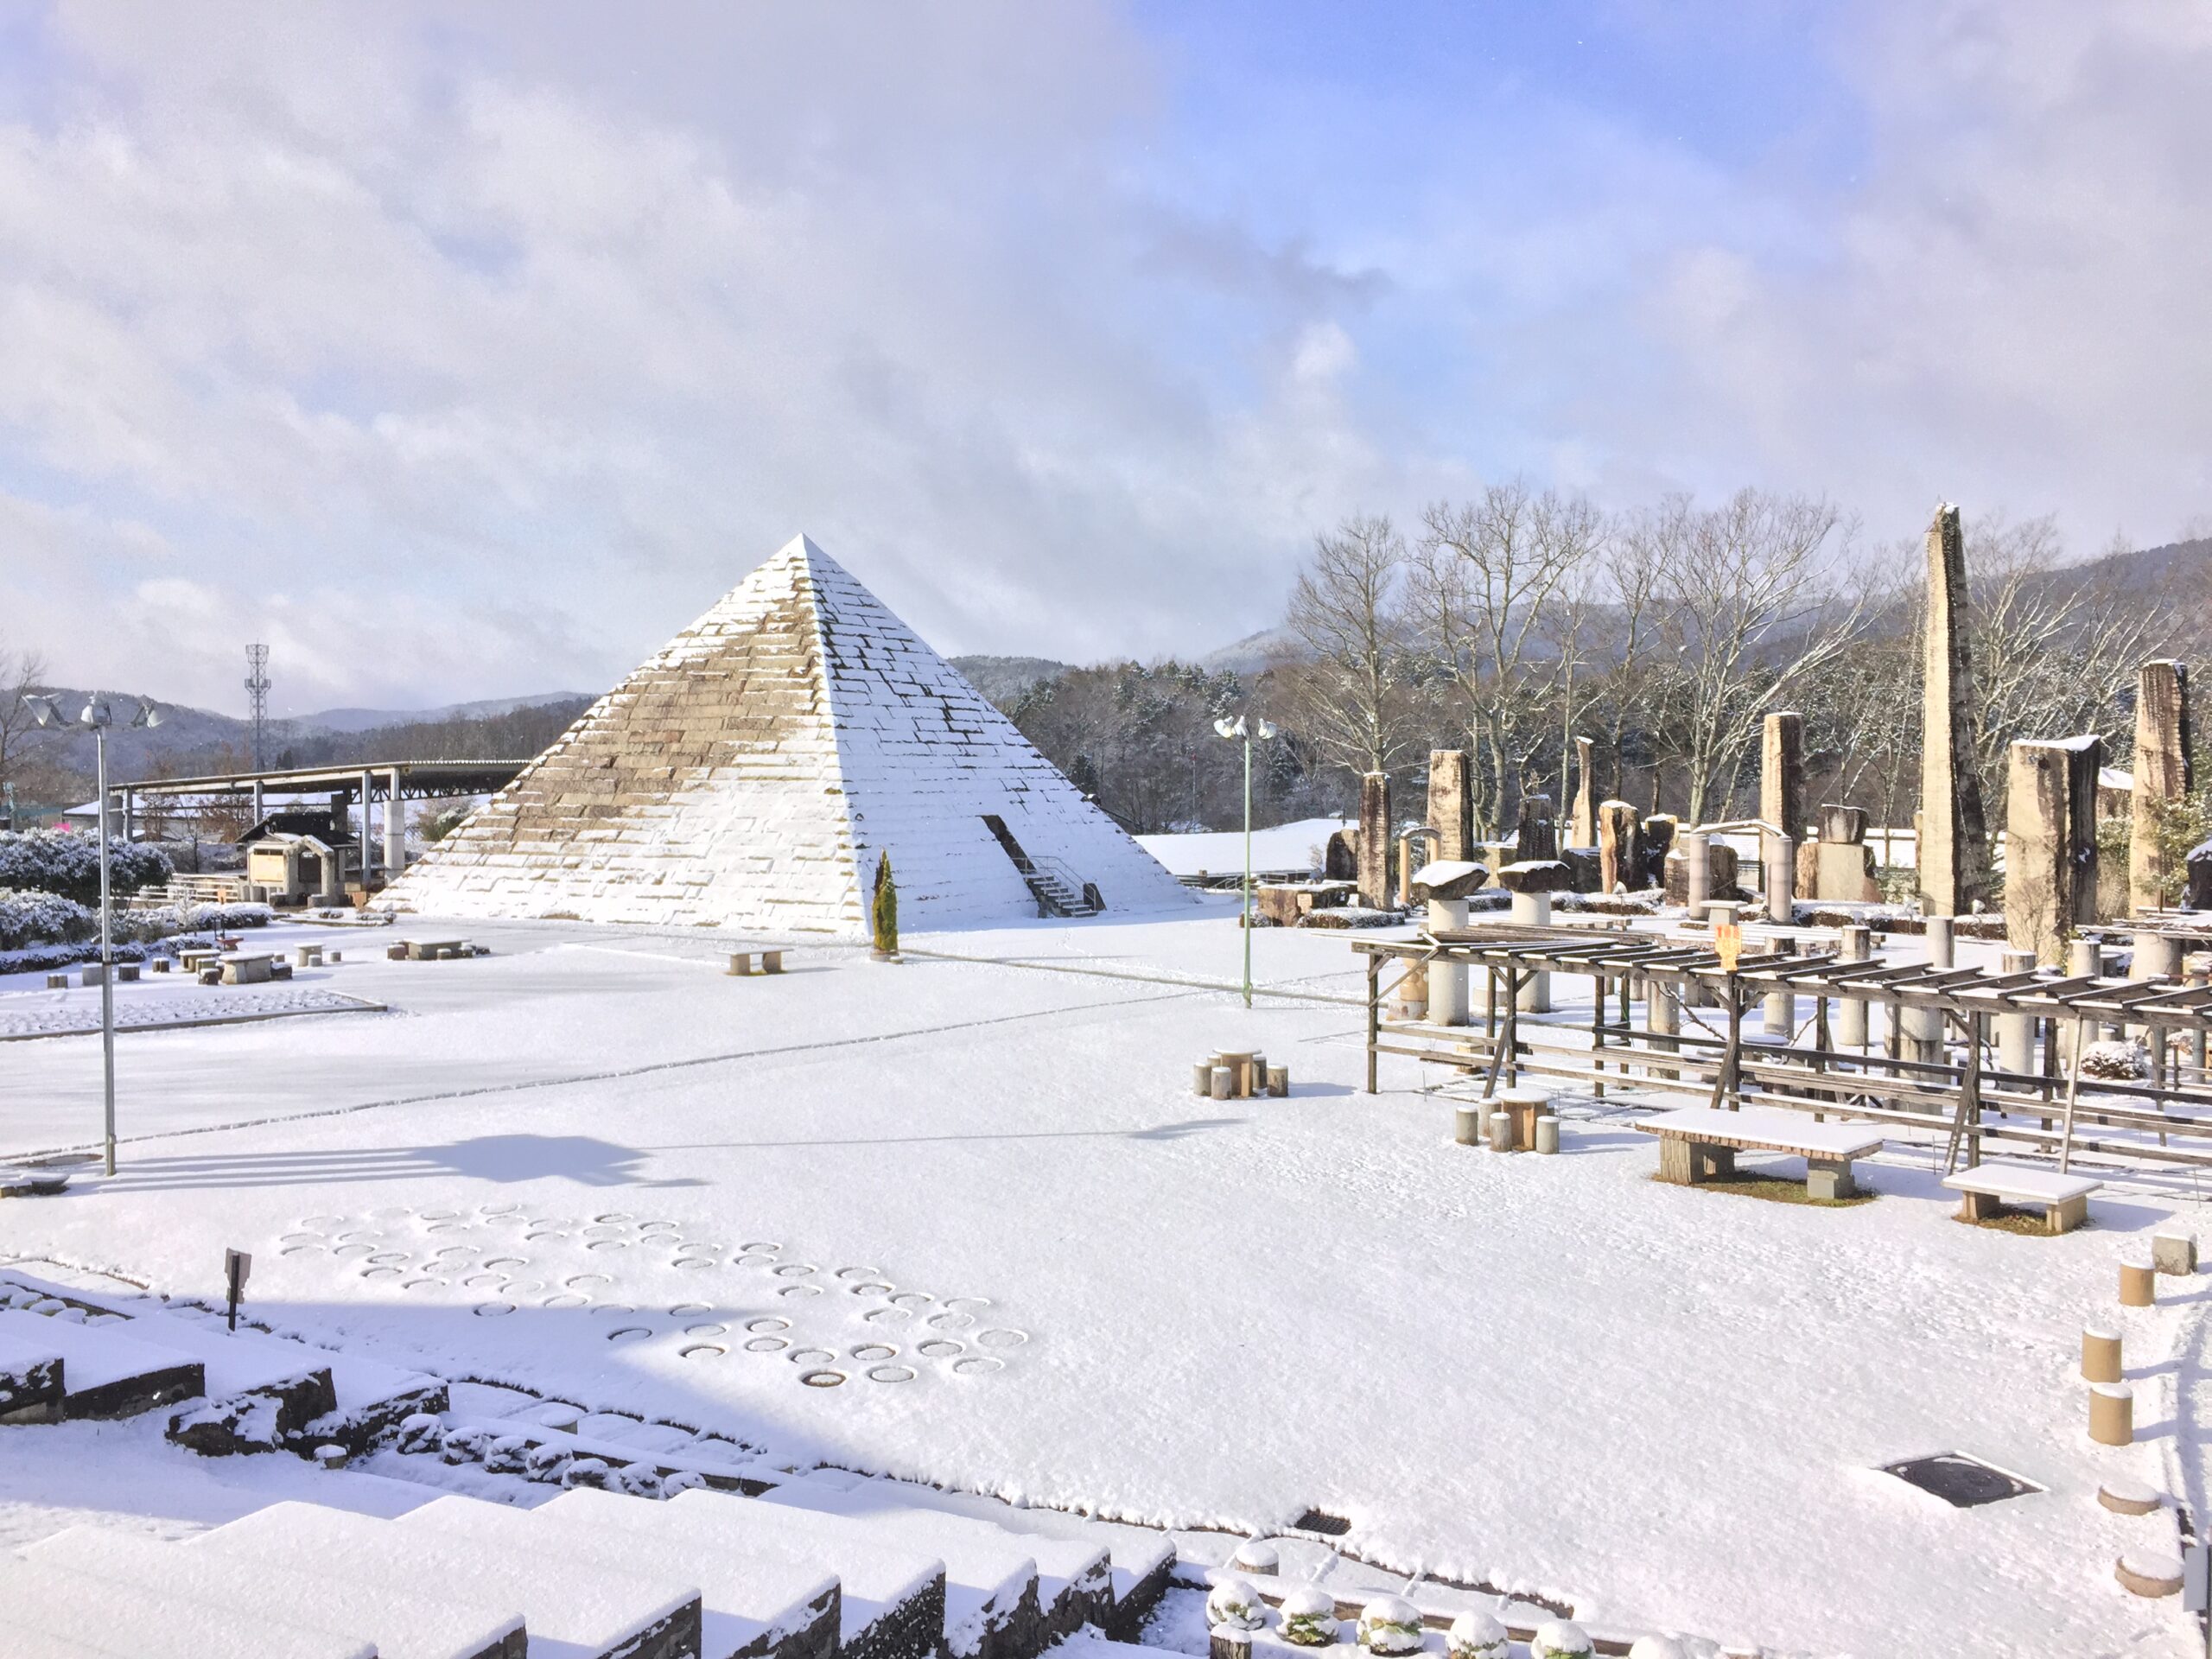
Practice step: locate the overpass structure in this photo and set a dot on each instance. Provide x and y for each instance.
(363, 785)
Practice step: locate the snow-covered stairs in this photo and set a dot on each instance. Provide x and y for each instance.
(243, 1390)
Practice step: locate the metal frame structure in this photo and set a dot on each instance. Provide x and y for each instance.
(1953, 1097)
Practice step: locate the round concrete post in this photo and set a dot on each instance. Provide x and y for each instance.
(1780, 878)
(2139, 1284)
(1662, 1020)
(1501, 1131)
(2084, 959)
(1851, 1011)
(1697, 874)
(1224, 1081)
(1533, 910)
(1466, 1125)
(2100, 1361)
(1202, 1077)
(1547, 1133)
(1447, 981)
(2112, 1413)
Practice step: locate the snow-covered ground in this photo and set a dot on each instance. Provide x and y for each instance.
(593, 1164)
(1296, 846)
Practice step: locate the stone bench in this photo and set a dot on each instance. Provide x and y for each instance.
(1987, 1187)
(248, 971)
(740, 962)
(1700, 1144)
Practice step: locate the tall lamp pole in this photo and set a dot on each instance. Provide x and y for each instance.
(98, 717)
(1237, 732)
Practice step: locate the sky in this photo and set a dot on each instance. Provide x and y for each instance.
(464, 353)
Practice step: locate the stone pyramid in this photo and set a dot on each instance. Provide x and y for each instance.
(751, 773)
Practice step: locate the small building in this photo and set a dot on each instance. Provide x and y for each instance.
(293, 855)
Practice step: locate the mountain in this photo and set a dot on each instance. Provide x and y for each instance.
(369, 720)
(1001, 679)
(1251, 653)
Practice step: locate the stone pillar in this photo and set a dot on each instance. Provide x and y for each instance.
(1780, 878)
(2161, 774)
(2051, 843)
(1781, 773)
(368, 845)
(1583, 831)
(1654, 841)
(1451, 803)
(1851, 1011)
(1842, 863)
(395, 827)
(1447, 981)
(1697, 872)
(1374, 841)
(1663, 1019)
(2016, 1032)
(1779, 1013)
(257, 812)
(1619, 846)
(1533, 910)
(1922, 1028)
(1954, 845)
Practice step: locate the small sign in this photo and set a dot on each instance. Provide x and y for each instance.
(236, 1266)
(1728, 940)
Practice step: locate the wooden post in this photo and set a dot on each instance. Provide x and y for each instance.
(2101, 1360)
(2112, 1413)
(1597, 988)
(2073, 1090)
(1374, 1015)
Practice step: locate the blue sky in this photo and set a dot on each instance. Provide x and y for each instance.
(466, 354)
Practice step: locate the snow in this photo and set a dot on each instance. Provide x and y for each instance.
(1658, 1408)
(1767, 1126)
(1295, 846)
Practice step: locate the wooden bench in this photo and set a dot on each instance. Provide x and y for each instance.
(1985, 1189)
(1700, 1144)
(740, 962)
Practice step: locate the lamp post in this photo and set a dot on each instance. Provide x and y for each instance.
(98, 716)
(1237, 732)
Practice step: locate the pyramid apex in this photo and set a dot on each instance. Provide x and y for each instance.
(804, 546)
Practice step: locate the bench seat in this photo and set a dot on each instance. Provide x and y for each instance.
(2064, 1198)
(1699, 1143)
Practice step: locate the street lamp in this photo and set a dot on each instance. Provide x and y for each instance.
(1236, 732)
(98, 716)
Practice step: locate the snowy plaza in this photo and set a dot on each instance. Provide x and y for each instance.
(976, 1184)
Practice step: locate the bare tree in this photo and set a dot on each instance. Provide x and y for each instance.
(1747, 608)
(1353, 690)
(22, 671)
(1486, 580)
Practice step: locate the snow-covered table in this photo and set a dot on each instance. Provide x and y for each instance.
(1699, 1143)
(2064, 1198)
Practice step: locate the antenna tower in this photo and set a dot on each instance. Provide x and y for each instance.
(257, 691)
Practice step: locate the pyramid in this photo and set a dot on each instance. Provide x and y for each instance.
(750, 773)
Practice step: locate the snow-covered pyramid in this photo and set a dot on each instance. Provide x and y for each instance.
(749, 774)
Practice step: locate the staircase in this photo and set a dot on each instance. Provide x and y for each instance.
(631, 1555)
(1058, 890)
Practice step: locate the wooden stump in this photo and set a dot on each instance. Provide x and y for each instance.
(2112, 1413)
(2138, 1285)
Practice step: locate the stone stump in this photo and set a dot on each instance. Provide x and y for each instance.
(2161, 774)
(1954, 846)
(2051, 849)
(1374, 841)
(1451, 803)
(1620, 847)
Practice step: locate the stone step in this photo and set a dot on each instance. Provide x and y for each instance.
(991, 1605)
(421, 1624)
(103, 1373)
(777, 1604)
(30, 1380)
(573, 1609)
(1075, 1582)
(743, 1612)
(891, 1599)
(142, 1624)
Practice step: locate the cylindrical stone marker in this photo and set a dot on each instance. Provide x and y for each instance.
(1547, 1134)
(1467, 1126)
(1501, 1131)
(2016, 1032)
(1533, 910)
(1697, 874)
(1227, 1641)
(2112, 1413)
(1224, 1083)
(1279, 1080)
(2084, 959)
(1851, 1011)
(1202, 1077)
(2139, 1284)
(2101, 1360)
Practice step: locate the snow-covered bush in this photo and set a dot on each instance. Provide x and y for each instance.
(1257, 1556)
(587, 1471)
(35, 917)
(57, 860)
(159, 923)
(1235, 1603)
(1476, 1636)
(547, 1463)
(1561, 1638)
(638, 1480)
(465, 1445)
(420, 1433)
(684, 1480)
(504, 1456)
(1309, 1618)
(1390, 1625)
(2116, 1062)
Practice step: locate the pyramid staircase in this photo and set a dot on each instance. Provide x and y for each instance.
(716, 1562)
(1057, 889)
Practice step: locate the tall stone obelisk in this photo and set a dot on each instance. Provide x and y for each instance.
(2161, 774)
(1954, 851)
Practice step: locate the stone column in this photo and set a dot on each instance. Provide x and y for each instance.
(2051, 843)
(1663, 1020)
(1851, 1011)
(258, 813)
(1842, 863)
(1619, 844)
(1954, 849)
(1922, 1028)
(1583, 831)
(1451, 803)
(1374, 841)
(1697, 872)
(1781, 773)
(1778, 1012)
(2161, 774)
(1531, 877)
(395, 826)
(1533, 910)
(1781, 877)
(367, 845)
(1447, 981)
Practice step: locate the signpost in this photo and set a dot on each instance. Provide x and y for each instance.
(236, 1264)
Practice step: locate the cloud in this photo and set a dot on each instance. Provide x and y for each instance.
(473, 353)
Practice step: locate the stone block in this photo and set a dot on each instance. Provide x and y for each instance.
(2174, 1252)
